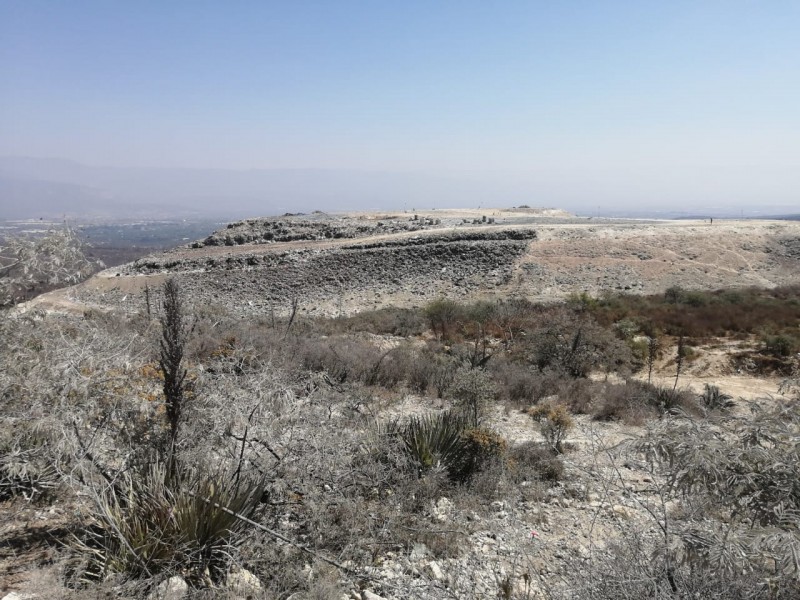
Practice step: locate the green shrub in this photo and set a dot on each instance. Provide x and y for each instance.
(575, 346)
(471, 390)
(696, 299)
(626, 328)
(780, 345)
(674, 294)
(443, 316)
(582, 301)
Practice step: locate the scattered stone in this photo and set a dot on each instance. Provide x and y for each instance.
(419, 551)
(620, 511)
(243, 583)
(434, 570)
(174, 588)
(19, 596)
(443, 509)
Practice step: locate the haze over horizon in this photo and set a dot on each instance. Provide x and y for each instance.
(249, 107)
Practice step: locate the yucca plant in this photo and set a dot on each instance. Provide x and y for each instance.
(445, 441)
(153, 523)
(715, 399)
(26, 464)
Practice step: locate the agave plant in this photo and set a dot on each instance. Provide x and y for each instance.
(152, 523)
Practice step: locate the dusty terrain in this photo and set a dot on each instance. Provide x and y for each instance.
(340, 264)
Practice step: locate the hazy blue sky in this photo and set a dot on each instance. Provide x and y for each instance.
(700, 98)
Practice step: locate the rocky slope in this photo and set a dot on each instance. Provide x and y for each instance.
(345, 263)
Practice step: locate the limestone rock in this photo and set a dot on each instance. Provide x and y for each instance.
(19, 596)
(243, 583)
(174, 588)
(443, 509)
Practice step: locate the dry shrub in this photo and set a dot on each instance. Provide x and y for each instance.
(343, 359)
(392, 367)
(702, 314)
(736, 479)
(629, 402)
(31, 265)
(636, 401)
(401, 322)
(484, 446)
(516, 382)
(521, 385)
(635, 567)
(579, 395)
(443, 373)
(444, 543)
(353, 360)
(421, 370)
(471, 391)
(531, 461)
(554, 423)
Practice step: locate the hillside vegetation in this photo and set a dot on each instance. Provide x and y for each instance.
(479, 449)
